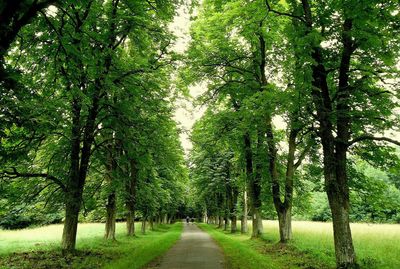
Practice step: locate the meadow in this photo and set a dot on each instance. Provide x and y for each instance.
(40, 247)
(377, 246)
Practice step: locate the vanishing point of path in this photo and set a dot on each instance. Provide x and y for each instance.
(195, 250)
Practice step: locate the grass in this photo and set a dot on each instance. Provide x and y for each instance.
(40, 247)
(377, 246)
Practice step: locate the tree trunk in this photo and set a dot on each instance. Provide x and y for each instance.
(255, 187)
(110, 217)
(257, 224)
(143, 225)
(130, 222)
(344, 249)
(111, 206)
(220, 220)
(285, 224)
(243, 228)
(233, 213)
(151, 223)
(131, 199)
(72, 208)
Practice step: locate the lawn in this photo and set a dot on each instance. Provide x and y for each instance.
(377, 246)
(40, 247)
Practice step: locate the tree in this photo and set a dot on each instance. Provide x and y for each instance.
(339, 54)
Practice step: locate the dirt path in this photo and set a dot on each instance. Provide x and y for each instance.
(195, 250)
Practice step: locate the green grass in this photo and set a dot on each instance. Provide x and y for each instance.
(377, 246)
(40, 247)
(243, 252)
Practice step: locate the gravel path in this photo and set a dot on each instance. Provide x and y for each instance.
(195, 250)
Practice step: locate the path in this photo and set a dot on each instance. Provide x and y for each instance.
(195, 250)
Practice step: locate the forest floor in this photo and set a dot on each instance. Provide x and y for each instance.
(376, 245)
(195, 250)
(40, 247)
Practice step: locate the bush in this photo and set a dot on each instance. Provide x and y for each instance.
(13, 221)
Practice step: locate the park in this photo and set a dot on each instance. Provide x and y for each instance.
(162, 134)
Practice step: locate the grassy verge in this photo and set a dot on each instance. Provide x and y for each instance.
(242, 252)
(39, 247)
(376, 245)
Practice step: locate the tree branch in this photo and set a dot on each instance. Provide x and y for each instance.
(283, 13)
(16, 174)
(375, 138)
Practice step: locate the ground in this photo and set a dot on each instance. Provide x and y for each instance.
(195, 250)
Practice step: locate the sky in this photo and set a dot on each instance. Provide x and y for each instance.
(186, 114)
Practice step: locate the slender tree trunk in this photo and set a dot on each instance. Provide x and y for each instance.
(111, 206)
(131, 199)
(243, 228)
(220, 220)
(151, 224)
(233, 213)
(144, 225)
(254, 189)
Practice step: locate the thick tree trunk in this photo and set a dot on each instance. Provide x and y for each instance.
(257, 224)
(344, 249)
(72, 208)
(243, 228)
(130, 222)
(110, 217)
(233, 224)
(285, 224)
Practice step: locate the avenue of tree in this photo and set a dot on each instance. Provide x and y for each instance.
(326, 70)
(86, 112)
(302, 97)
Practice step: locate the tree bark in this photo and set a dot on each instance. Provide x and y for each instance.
(285, 224)
(111, 206)
(255, 187)
(72, 208)
(220, 220)
(243, 227)
(131, 199)
(233, 213)
(143, 226)
(111, 209)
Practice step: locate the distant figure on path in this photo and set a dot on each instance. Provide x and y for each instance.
(187, 219)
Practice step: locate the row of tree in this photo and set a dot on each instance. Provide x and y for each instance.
(325, 70)
(87, 111)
